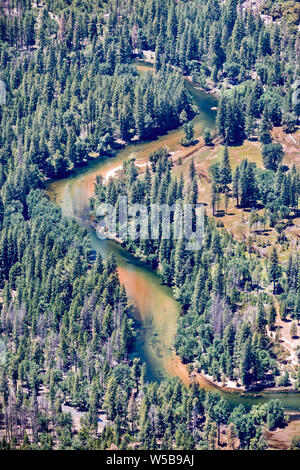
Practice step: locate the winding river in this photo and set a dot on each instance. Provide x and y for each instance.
(155, 307)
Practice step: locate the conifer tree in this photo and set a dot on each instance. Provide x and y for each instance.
(225, 169)
(274, 268)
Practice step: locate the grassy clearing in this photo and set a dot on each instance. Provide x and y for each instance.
(236, 220)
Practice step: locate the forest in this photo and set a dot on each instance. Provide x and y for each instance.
(213, 283)
(74, 94)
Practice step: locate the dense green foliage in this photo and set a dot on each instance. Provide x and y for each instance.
(212, 284)
(60, 114)
(72, 93)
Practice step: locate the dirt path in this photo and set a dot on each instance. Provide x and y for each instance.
(281, 439)
(283, 328)
(290, 144)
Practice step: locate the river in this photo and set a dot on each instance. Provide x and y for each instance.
(155, 307)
